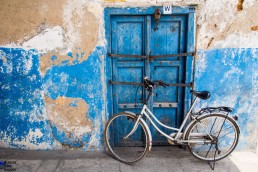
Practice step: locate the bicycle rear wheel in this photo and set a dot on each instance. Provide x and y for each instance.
(221, 128)
(127, 150)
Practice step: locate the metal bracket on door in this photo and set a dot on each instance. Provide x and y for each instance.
(139, 83)
(157, 16)
(151, 57)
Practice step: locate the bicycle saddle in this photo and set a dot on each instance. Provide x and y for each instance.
(201, 94)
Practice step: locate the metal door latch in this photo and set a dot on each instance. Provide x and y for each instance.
(157, 16)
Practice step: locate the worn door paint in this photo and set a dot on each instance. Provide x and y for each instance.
(127, 38)
(136, 35)
(167, 102)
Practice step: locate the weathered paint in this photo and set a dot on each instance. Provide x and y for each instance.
(68, 43)
(114, 0)
(232, 78)
(68, 114)
(65, 106)
(22, 105)
(69, 22)
(221, 25)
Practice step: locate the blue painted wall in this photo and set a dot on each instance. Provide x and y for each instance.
(231, 75)
(24, 120)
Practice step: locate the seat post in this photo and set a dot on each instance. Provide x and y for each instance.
(185, 119)
(190, 110)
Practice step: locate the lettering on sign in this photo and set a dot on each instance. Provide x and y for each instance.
(167, 9)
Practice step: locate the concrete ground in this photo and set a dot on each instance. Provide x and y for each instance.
(171, 159)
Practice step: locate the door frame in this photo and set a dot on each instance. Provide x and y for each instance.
(189, 11)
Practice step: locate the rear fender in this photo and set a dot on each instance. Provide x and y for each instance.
(201, 116)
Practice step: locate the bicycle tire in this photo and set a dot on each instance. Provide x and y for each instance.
(130, 150)
(213, 123)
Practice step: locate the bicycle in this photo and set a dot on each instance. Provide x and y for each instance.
(211, 134)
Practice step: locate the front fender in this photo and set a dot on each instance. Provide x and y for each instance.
(147, 128)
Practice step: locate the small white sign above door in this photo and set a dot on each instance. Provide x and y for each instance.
(167, 9)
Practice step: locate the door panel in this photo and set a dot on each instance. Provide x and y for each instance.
(170, 36)
(134, 35)
(167, 102)
(127, 38)
(127, 92)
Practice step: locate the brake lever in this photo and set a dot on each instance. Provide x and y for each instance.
(163, 84)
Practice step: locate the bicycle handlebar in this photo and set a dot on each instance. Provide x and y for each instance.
(148, 84)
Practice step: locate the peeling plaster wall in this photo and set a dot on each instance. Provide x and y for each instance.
(49, 53)
(227, 61)
(66, 105)
(231, 76)
(52, 68)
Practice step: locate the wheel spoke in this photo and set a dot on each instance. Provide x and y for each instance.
(202, 148)
(226, 134)
(222, 130)
(208, 151)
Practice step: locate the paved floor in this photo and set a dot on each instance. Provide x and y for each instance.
(170, 159)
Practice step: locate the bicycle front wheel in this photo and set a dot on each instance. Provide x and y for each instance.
(219, 134)
(127, 150)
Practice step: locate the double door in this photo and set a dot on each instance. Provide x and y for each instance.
(136, 35)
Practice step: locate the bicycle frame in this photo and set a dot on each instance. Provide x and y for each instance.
(145, 111)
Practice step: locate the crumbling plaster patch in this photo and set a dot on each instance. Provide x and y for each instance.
(114, 0)
(69, 28)
(254, 28)
(22, 20)
(48, 39)
(217, 20)
(221, 25)
(27, 142)
(240, 5)
(82, 26)
(69, 114)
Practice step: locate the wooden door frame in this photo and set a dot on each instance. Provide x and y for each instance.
(189, 11)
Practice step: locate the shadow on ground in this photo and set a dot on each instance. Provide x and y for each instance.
(170, 159)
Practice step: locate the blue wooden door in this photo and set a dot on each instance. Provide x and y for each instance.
(135, 35)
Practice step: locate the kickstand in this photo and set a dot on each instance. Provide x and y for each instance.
(212, 163)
